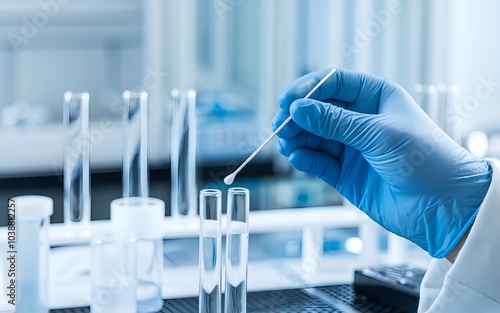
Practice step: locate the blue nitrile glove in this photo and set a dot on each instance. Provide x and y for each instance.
(366, 137)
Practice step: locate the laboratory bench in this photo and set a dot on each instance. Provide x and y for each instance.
(296, 263)
(305, 244)
(324, 299)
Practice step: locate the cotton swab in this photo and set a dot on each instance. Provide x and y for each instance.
(229, 179)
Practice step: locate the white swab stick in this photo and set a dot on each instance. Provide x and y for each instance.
(230, 178)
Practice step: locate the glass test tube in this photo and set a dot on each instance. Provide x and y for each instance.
(210, 251)
(183, 153)
(76, 158)
(238, 207)
(135, 144)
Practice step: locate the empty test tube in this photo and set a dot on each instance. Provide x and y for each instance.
(238, 207)
(135, 144)
(183, 153)
(76, 157)
(210, 251)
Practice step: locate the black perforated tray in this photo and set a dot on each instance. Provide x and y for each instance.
(281, 301)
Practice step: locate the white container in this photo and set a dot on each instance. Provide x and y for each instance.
(143, 217)
(32, 245)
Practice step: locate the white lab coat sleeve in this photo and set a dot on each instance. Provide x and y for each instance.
(472, 283)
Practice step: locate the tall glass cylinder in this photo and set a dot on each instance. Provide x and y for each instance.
(210, 251)
(238, 208)
(183, 153)
(76, 158)
(135, 144)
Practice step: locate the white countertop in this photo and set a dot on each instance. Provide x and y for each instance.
(69, 277)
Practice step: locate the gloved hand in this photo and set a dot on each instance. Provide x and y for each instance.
(366, 137)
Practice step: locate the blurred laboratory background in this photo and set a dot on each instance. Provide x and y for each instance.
(238, 55)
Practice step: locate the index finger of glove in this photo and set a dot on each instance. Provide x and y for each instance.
(343, 85)
(300, 87)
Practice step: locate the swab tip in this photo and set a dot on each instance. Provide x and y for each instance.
(229, 179)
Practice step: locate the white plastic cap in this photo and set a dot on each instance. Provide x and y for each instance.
(141, 216)
(36, 207)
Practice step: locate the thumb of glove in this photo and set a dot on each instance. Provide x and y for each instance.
(329, 121)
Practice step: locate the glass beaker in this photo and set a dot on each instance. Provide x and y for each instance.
(143, 217)
(113, 272)
(210, 251)
(32, 246)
